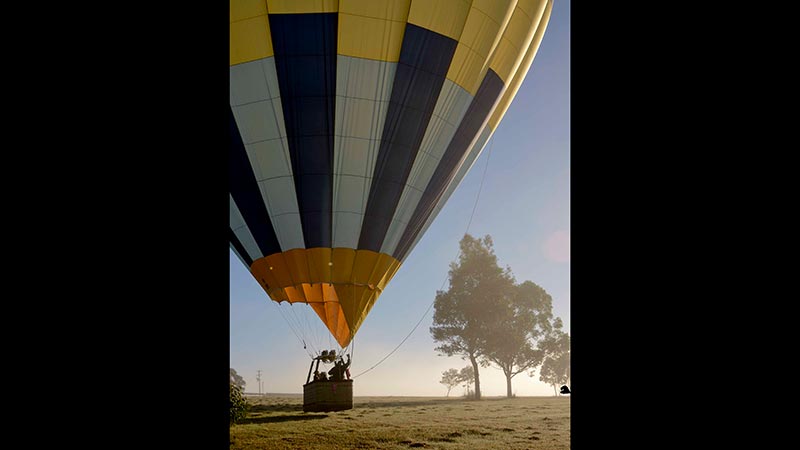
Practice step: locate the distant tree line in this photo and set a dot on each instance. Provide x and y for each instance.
(489, 319)
(453, 377)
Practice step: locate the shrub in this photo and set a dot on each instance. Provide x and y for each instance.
(239, 405)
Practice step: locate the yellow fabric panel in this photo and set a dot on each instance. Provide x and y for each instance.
(393, 268)
(382, 266)
(445, 17)
(497, 10)
(298, 265)
(534, 8)
(480, 32)
(477, 42)
(277, 265)
(302, 6)
(368, 304)
(365, 264)
(522, 71)
(355, 315)
(318, 264)
(345, 294)
(501, 13)
(343, 264)
(515, 41)
(363, 302)
(396, 10)
(245, 9)
(465, 69)
(366, 37)
(250, 40)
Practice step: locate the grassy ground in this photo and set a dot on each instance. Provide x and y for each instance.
(407, 422)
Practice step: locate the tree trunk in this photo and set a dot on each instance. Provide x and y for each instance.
(448, 391)
(477, 377)
(508, 383)
(555, 393)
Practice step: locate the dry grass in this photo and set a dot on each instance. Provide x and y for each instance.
(407, 422)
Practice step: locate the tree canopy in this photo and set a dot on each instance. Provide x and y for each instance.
(555, 368)
(522, 319)
(462, 314)
(237, 379)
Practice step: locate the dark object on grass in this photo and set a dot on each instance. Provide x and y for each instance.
(564, 389)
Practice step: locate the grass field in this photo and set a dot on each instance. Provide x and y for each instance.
(278, 422)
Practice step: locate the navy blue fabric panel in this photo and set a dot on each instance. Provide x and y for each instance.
(467, 130)
(245, 192)
(425, 57)
(239, 247)
(305, 60)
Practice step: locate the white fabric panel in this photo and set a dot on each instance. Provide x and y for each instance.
(471, 156)
(239, 228)
(346, 223)
(364, 78)
(256, 121)
(450, 108)
(355, 156)
(270, 159)
(363, 90)
(289, 230)
(278, 195)
(350, 194)
(248, 82)
(405, 209)
(255, 101)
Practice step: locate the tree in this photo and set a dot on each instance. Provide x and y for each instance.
(556, 347)
(467, 376)
(463, 314)
(450, 378)
(237, 380)
(522, 319)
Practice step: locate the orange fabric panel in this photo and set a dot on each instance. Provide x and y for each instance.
(277, 265)
(313, 292)
(260, 271)
(297, 263)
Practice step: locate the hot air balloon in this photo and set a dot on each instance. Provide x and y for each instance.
(351, 124)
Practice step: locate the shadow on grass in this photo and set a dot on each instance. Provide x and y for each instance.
(282, 407)
(276, 419)
(402, 404)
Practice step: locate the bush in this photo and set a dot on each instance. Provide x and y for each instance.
(239, 405)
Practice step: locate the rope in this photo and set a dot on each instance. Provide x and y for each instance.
(474, 207)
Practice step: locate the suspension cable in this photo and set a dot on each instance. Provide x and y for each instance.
(474, 207)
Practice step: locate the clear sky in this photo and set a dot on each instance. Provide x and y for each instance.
(524, 205)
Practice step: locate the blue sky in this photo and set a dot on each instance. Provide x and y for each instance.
(524, 205)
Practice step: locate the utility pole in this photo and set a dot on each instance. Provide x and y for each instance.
(258, 378)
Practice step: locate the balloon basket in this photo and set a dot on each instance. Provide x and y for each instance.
(325, 396)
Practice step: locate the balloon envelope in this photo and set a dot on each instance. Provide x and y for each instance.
(351, 123)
